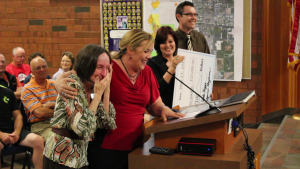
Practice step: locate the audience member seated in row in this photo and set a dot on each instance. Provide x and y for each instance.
(8, 80)
(75, 120)
(18, 67)
(32, 56)
(134, 88)
(11, 132)
(38, 97)
(67, 63)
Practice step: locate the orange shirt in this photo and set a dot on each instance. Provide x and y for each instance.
(34, 96)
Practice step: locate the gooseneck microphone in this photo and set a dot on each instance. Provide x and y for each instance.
(211, 110)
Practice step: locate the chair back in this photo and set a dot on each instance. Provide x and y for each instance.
(26, 124)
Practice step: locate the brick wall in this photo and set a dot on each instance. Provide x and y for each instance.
(55, 26)
(48, 26)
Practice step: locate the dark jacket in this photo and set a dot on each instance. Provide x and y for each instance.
(166, 89)
(12, 81)
(198, 41)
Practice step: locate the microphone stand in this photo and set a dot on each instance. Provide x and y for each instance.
(211, 110)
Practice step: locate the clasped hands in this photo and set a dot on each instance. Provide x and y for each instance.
(9, 139)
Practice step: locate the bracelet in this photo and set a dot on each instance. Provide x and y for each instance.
(162, 107)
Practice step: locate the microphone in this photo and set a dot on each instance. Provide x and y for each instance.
(211, 110)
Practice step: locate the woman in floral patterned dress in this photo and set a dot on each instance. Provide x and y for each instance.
(75, 120)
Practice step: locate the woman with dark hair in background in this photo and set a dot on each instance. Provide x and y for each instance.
(67, 63)
(32, 56)
(166, 45)
(75, 120)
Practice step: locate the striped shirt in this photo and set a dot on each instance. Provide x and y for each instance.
(34, 96)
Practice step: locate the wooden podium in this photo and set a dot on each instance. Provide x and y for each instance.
(229, 152)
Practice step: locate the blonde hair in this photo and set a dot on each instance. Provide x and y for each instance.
(133, 39)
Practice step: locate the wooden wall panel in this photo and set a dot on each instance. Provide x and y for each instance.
(279, 84)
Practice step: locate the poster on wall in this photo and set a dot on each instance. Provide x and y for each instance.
(159, 13)
(118, 17)
(220, 21)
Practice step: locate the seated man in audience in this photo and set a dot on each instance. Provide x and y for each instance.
(32, 56)
(38, 97)
(17, 67)
(11, 132)
(8, 80)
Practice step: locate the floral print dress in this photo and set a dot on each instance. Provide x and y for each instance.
(74, 114)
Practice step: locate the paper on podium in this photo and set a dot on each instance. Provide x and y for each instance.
(192, 111)
(197, 72)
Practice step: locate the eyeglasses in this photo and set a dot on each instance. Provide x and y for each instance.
(40, 67)
(190, 14)
(67, 61)
(18, 56)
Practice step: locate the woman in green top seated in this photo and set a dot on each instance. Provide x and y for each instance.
(75, 120)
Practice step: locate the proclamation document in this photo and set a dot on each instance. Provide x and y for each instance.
(197, 72)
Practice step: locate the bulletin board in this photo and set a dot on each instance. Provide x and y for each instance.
(118, 17)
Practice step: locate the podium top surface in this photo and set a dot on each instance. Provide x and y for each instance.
(226, 113)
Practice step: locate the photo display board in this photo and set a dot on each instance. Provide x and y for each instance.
(118, 17)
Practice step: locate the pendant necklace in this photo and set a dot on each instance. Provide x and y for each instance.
(132, 78)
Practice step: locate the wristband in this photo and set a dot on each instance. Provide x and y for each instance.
(162, 107)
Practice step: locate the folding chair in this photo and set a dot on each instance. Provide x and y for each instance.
(16, 149)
